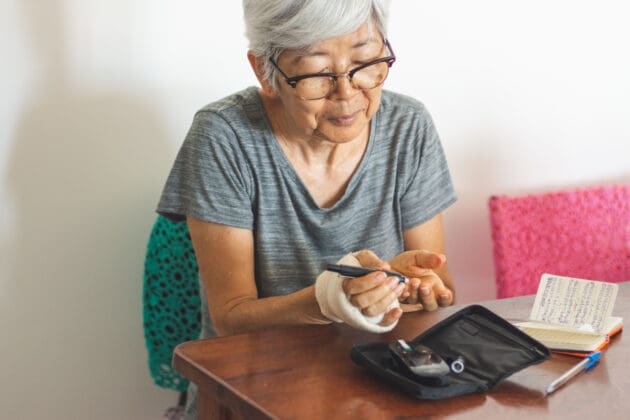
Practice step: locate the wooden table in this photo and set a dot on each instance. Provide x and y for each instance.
(306, 373)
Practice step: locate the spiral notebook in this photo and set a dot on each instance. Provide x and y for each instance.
(572, 315)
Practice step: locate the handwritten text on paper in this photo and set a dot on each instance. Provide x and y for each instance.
(574, 303)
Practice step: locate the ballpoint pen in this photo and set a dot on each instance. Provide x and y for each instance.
(352, 271)
(585, 364)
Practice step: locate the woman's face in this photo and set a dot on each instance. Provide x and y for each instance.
(345, 113)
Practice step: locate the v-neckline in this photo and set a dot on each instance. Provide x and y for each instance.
(290, 170)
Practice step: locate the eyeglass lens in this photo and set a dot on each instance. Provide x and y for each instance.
(320, 86)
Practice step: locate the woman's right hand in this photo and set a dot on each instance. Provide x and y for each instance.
(375, 292)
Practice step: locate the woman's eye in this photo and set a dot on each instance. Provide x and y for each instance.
(312, 69)
(365, 59)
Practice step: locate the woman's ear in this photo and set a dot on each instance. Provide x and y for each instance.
(257, 67)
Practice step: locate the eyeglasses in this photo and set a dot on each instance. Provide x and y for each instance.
(319, 85)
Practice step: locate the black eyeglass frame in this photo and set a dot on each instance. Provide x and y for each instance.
(292, 81)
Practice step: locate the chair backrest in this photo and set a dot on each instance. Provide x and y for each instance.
(171, 303)
(583, 233)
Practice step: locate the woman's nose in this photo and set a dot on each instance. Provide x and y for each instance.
(344, 87)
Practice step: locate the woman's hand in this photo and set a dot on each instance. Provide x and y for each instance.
(374, 292)
(425, 286)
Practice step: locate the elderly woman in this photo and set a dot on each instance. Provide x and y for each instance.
(316, 164)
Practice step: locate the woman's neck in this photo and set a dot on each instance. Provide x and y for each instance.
(307, 147)
(325, 167)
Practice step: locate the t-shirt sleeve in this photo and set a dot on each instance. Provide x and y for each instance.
(429, 188)
(209, 180)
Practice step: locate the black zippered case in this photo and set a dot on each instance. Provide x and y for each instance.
(492, 349)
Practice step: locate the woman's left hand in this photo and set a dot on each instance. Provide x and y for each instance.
(425, 285)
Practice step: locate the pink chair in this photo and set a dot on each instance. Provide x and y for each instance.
(583, 233)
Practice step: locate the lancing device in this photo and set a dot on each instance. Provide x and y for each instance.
(351, 271)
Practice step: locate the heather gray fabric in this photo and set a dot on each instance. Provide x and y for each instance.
(231, 170)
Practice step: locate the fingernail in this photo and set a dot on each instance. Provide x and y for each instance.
(444, 296)
(425, 291)
(393, 282)
(380, 277)
(398, 290)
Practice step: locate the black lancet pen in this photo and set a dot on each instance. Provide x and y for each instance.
(351, 271)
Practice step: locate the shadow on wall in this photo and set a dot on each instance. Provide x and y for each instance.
(84, 175)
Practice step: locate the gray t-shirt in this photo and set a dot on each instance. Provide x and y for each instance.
(231, 170)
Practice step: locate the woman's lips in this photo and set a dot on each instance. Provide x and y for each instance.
(344, 120)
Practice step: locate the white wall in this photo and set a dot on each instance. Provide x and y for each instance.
(97, 96)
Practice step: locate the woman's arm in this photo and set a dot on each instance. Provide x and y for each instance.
(225, 256)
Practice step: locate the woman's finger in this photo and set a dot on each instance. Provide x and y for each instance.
(411, 308)
(370, 297)
(380, 306)
(369, 259)
(417, 263)
(414, 284)
(433, 293)
(427, 297)
(445, 297)
(371, 301)
(391, 316)
(428, 259)
(353, 286)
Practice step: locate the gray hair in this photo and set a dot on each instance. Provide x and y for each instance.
(271, 26)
